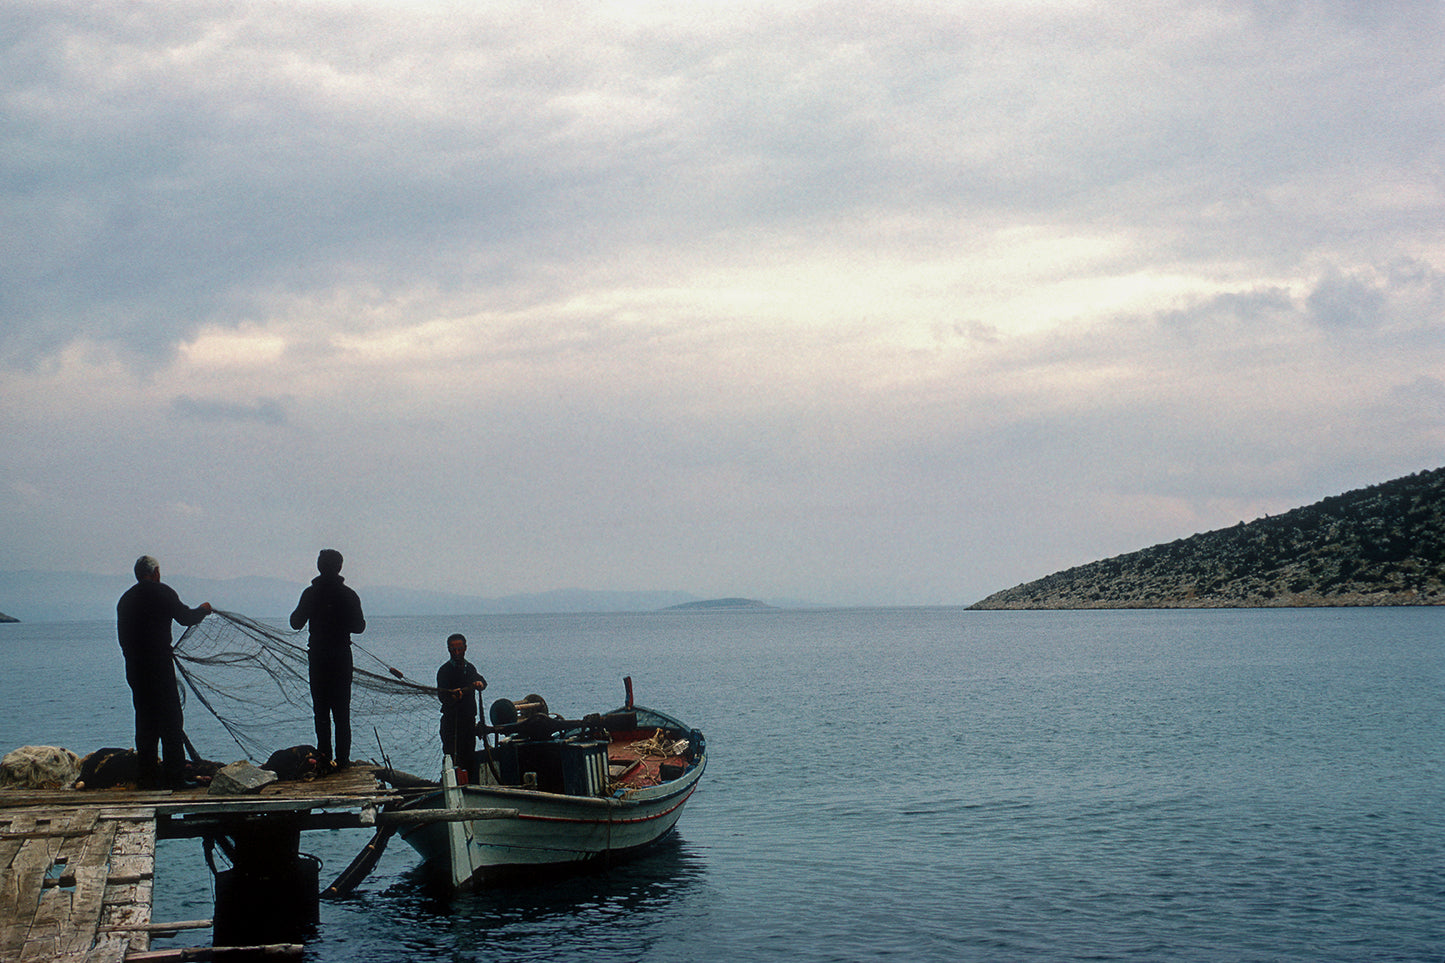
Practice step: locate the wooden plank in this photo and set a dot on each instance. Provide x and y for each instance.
(137, 814)
(129, 915)
(98, 845)
(85, 818)
(133, 843)
(162, 927)
(15, 908)
(416, 817)
(86, 904)
(272, 951)
(246, 805)
(9, 849)
(81, 845)
(40, 948)
(20, 888)
(90, 876)
(52, 912)
(48, 832)
(108, 949)
(131, 869)
(127, 920)
(21, 820)
(55, 880)
(122, 897)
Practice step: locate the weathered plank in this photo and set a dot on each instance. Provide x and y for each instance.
(109, 948)
(162, 927)
(20, 888)
(16, 827)
(272, 951)
(131, 869)
(122, 899)
(85, 908)
(91, 877)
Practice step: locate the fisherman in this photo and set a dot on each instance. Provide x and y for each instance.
(334, 611)
(458, 683)
(143, 619)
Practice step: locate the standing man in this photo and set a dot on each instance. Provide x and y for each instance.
(334, 611)
(458, 683)
(143, 619)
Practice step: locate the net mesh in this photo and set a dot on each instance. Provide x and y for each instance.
(253, 678)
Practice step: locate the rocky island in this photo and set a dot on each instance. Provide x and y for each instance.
(1382, 545)
(732, 605)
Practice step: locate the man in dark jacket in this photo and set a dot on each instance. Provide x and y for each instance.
(458, 683)
(143, 619)
(334, 611)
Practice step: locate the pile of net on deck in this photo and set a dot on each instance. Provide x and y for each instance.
(253, 678)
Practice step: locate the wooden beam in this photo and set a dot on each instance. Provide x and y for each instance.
(271, 804)
(223, 824)
(158, 927)
(419, 817)
(279, 951)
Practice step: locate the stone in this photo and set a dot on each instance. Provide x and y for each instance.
(239, 779)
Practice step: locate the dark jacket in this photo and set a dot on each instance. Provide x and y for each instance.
(143, 619)
(333, 610)
(452, 676)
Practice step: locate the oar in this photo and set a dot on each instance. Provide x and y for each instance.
(361, 866)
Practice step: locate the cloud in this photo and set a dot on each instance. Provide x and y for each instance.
(807, 296)
(266, 411)
(1345, 303)
(173, 168)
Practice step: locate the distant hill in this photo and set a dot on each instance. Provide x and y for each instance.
(1382, 545)
(7, 618)
(725, 605)
(80, 596)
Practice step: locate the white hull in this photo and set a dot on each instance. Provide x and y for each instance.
(520, 829)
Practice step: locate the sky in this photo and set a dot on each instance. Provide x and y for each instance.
(883, 303)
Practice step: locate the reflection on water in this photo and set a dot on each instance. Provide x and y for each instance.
(627, 911)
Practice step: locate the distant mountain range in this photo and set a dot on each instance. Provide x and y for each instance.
(1382, 545)
(75, 596)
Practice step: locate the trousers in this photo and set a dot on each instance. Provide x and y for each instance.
(330, 675)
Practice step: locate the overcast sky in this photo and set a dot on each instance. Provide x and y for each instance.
(853, 303)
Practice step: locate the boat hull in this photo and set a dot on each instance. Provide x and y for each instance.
(520, 831)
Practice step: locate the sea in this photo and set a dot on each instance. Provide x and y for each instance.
(911, 784)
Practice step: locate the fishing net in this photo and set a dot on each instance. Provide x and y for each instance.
(253, 678)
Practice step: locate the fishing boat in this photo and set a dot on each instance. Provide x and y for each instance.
(556, 795)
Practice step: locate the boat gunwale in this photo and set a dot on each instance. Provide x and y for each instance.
(633, 798)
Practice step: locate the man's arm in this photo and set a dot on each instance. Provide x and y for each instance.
(185, 615)
(303, 609)
(358, 621)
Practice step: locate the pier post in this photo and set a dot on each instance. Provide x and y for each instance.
(271, 892)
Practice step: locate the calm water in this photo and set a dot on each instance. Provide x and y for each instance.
(919, 784)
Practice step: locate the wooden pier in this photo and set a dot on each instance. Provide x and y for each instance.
(77, 867)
